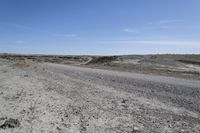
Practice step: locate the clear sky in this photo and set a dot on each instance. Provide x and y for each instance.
(99, 27)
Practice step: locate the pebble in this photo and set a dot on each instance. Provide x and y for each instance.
(182, 130)
(135, 128)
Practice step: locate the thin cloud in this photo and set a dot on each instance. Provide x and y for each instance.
(130, 30)
(156, 42)
(164, 22)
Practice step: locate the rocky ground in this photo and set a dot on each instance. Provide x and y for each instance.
(53, 98)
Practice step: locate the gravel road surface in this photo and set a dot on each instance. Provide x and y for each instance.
(53, 98)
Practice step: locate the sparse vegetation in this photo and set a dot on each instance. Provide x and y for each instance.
(102, 59)
(186, 66)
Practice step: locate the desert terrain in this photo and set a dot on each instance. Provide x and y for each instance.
(100, 94)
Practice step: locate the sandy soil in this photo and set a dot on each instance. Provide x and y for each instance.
(52, 98)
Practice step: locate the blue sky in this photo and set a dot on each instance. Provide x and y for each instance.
(99, 27)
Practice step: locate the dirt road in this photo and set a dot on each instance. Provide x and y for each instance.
(52, 98)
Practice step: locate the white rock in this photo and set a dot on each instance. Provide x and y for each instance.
(135, 128)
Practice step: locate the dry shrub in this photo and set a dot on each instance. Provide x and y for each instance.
(22, 62)
(103, 59)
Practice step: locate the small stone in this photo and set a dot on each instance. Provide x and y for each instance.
(58, 128)
(182, 130)
(25, 75)
(66, 125)
(135, 128)
(124, 100)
